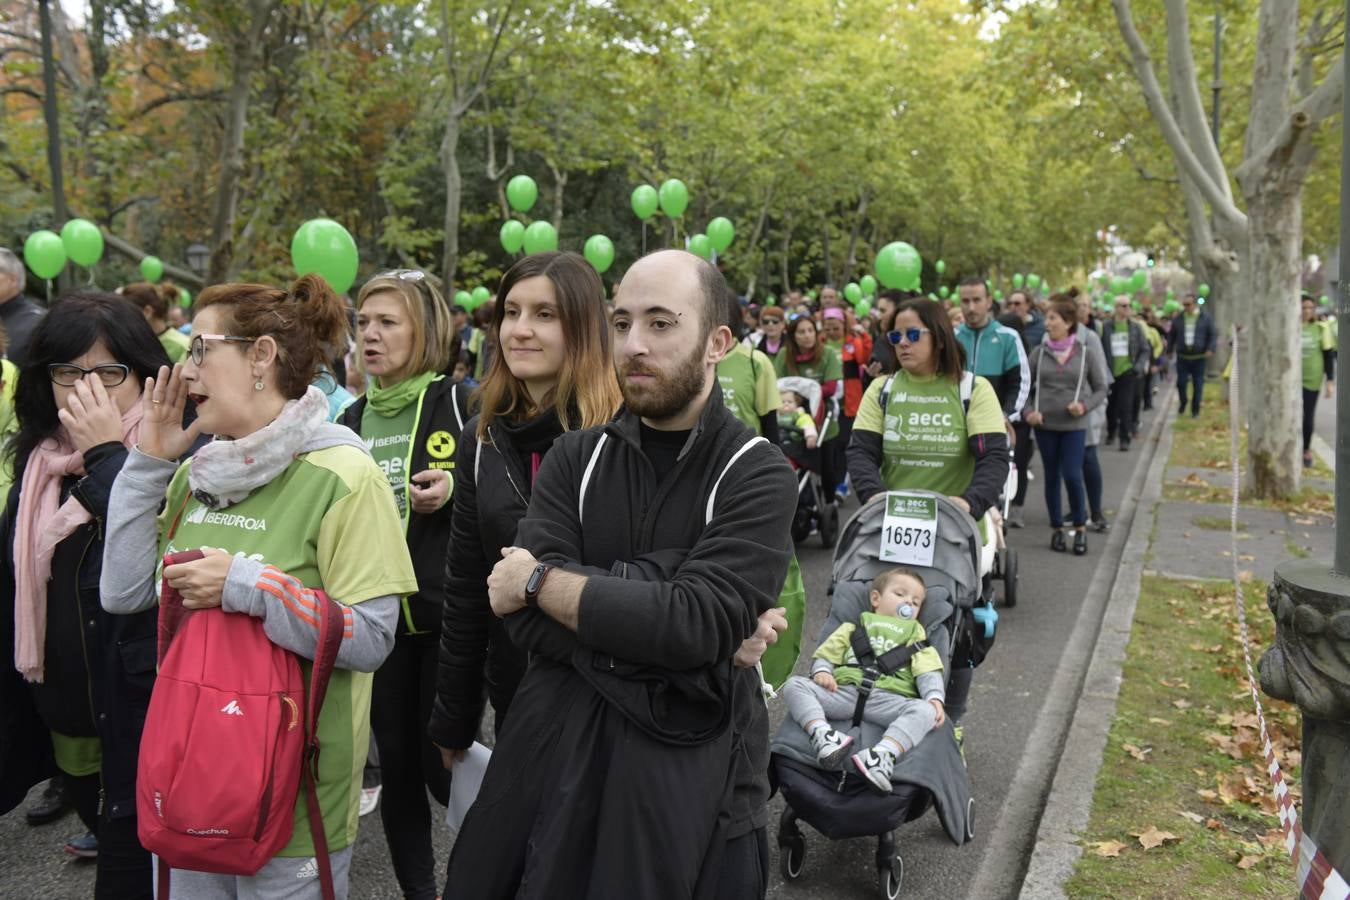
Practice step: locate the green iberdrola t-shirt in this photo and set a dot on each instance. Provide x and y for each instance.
(924, 433)
(388, 439)
(329, 521)
(1120, 347)
(1315, 337)
(749, 385)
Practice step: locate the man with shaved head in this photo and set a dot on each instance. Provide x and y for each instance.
(635, 759)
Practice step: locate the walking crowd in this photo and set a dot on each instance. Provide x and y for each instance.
(578, 509)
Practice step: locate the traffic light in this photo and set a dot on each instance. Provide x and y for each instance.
(1151, 261)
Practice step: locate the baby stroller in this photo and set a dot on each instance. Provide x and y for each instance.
(998, 560)
(960, 625)
(814, 506)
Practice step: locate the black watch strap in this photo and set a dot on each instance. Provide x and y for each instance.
(536, 583)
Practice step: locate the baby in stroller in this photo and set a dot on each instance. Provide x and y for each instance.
(794, 422)
(804, 417)
(907, 703)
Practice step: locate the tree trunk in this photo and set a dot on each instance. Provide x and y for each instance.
(559, 188)
(787, 255)
(851, 258)
(825, 249)
(51, 112)
(454, 193)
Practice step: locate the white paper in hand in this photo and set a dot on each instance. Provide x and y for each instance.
(466, 779)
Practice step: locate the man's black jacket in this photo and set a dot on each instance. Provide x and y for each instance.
(665, 624)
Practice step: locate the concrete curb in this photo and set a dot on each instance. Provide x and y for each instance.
(1013, 837)
(1323, 449)
(1069, 805)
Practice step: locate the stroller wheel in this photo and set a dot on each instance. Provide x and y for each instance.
(892, 878)
(791, 855)
(801, 525)
(970, 819)
(1009, 568)
(829, 525)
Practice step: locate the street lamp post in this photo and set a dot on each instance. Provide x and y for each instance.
(1310, 661)
(198, 257)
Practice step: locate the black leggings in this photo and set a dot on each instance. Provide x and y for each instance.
(1309, 418)
(410, 764)
(1022, 453)
(123, 867)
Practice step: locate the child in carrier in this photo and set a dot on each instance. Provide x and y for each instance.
(831, 692)
(792, 415)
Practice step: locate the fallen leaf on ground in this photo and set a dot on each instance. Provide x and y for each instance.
(1247, 862)
(1213, 824)
(1182, 704)
(1138, 753)
(1207, 794)
(1107, 848)
(1154, 720)
(1193, 817)
(1152, 837)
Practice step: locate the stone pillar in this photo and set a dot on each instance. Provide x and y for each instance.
(1310, 666)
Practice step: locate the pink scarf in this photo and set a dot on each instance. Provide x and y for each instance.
(1061, 349)
(43, 521)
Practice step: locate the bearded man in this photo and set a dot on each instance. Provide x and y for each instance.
(635, 760)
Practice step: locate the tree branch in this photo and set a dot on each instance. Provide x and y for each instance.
(183, 97)
(136, 254)
(19, 89)
(1181, 69)
(1153, 96)
(1318, 106)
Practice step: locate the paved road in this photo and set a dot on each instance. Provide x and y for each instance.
(1324, 424)
(1008, 692)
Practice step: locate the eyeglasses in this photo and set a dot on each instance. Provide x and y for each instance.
(911, 335)
(197, 349)
(69, 374)
(771, 321)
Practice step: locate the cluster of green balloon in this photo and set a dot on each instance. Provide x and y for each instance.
(672, 199)
(717, 238)
(898, 266)
(322, 247)
(471, 300)
(1139, 281)
(521, 194)
(599, 252)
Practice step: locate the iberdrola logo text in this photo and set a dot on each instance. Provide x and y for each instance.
(204, 515)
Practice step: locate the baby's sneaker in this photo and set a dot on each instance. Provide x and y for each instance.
(831, 746)
(875, 765)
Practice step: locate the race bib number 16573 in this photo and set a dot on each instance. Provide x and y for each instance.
(909, 529)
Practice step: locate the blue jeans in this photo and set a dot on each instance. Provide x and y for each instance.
(1062, 456)
(1192, 372)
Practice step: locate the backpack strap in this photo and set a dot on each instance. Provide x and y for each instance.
(454, 405)
(331, 627)
(876, 667)
(967, 390)
(886, 392)
(586, 477)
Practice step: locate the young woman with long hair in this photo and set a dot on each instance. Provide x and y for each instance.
(552, 372)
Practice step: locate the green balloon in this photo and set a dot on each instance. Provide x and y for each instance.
(1120, 285)
(863, 309)
(184, 298)
(943, 292)
(512, 236)
(940, 267)
(1017, 280)
(325, 248)
(1203, 290)
(599, 252)
(644, 201)
(998, 295)
(674, 198)
(868, 285)
(1324, 300)
(1139, 281)
(721, 232)
(480, 295)
(932, 296)
(521, 192)
(853, 292)
(152, 269)
(898, 265)
(699, 245)
(464, 299)
(44, 253)
(539, 237)
(83, 242)
(1033, 281)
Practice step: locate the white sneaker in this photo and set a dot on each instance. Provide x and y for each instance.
(831, 746)
(876, 767)
(370, 798)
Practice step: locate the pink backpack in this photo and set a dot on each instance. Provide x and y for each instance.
(226, 743)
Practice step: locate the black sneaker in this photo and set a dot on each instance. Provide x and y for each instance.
(1124, 444)
(1080, 542)
(1100, 525)
(1057, 541)
(51, 806)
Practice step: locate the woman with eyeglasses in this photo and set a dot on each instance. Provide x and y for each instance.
(74, 695)
(771, 325)
(411, 418)
(931, 426)
(552, 373)
(1067, 383)
(291, 512)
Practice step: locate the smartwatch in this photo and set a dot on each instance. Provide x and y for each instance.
(536, 583)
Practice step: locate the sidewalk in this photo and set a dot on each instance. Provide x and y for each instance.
(1198, 809)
